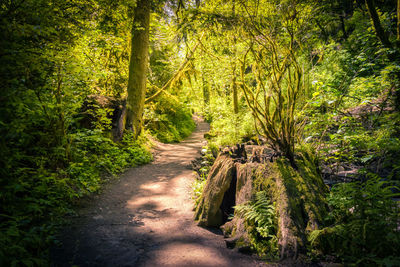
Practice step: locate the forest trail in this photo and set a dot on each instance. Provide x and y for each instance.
(146, 219)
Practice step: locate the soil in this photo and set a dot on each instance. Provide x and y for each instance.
(146, 219)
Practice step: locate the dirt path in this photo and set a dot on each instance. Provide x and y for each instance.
(146, 219)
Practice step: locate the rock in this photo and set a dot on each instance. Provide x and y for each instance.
(231, 242)
(246, 249)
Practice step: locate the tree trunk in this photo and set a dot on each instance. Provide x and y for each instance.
(383, 37)
(138, 65)
(398, 20)
(235, 91)
(380, 32)
(343, 25)
(234, 85)
(206, 91)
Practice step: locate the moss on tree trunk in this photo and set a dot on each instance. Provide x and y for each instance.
(138, 64)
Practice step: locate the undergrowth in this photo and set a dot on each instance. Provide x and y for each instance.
(169, 120)
(197, 190)
(261, 224)
(202, 169)
(228, 128)
(363, 225)
(34, 198)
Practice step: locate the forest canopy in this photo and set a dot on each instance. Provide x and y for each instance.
(87, 86)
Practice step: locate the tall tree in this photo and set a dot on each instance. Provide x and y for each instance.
(398, 20)
(138, 65)
(234, 85)
(380, 32)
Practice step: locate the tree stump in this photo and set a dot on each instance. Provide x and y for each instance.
(298, 195)
(209, 212)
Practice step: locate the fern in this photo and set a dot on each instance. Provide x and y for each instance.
(363, 223)
(261, 222)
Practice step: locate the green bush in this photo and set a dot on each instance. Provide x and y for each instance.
(169, 120)
(34, 199)
(363, 223)
(206, 162)
(228, 128)
(197, 189)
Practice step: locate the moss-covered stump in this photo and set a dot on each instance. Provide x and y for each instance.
(298, 196)
(92, 110)
(300, 200)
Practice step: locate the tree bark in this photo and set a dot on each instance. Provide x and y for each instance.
(398, 20)
(234, 85)
(383, 37)
(206, 91)
(343, 25)
(380, 32)
(138, 65)
(235, 91)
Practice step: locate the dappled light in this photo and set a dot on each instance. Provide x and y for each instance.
(151, 211)
(199, 133)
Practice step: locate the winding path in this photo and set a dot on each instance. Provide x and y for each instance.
(146, 219)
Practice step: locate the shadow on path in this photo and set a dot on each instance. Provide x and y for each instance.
(146, 219)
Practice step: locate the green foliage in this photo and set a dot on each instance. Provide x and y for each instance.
(349, 117)
(93, 155)
(363, 223)
(34, 199)
(55, 54)
(207, 159)
(206, 162)
(228, 128)
(261, 224)
(169, 120)
(197, 189)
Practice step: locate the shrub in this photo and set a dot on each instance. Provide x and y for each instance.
(34, 199)
(169, 120)
(363, 223)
